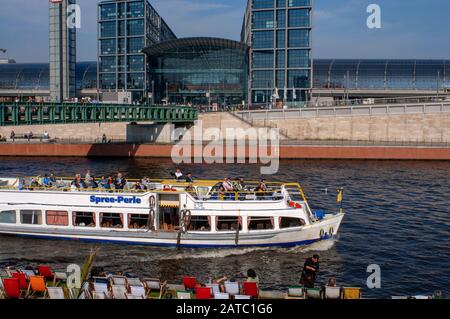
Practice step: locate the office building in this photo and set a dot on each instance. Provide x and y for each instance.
(125, 27)
(278, 33)
(62, 51)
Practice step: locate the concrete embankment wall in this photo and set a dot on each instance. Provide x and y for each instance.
(142, 132)
(433, 127)
(165, 151)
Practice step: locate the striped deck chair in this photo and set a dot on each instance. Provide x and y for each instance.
(55, 293)
(118, 291)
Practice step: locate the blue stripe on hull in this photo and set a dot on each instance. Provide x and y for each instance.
(117, 242)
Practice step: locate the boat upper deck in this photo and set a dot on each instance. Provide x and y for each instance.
(198, 190)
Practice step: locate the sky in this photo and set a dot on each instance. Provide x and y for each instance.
(409, 28)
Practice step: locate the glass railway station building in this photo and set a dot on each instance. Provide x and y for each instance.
(271, 64)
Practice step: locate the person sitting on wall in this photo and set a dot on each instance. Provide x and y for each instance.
(104, 140)
(46, 135)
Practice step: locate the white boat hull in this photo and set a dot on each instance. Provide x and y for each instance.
(288, 238)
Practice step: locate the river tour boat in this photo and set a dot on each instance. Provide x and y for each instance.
(167, 213)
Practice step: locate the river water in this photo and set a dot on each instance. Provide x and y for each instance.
(398, 217)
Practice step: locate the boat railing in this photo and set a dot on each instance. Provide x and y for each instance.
(275, 190)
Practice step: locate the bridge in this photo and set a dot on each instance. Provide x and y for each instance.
(15, 114)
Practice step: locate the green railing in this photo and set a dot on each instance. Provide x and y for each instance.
(14, 114)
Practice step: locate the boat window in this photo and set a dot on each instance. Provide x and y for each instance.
(260, 223)
(84, 219)
(110, 220)
(229, 223)
(31, 217)
(137, 221)
(200, 223)
(8, 217)
(289, 222)
(56, 218)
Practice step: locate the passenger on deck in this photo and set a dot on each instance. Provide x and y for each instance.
(261, 190)
(189, 178)
(227, 184)
(94, 184)
(191, 190)
(88, 178)
(34, 184)
(138, 186)
(239, 184)
(178, 174)
(120, 181)
(78, 182)
(46, 181)
(52, 179)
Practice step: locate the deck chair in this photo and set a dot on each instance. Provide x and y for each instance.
(119, 280)
(251, 289)
(134, 282)
(296, 292)
(189, 283)
(271, 294)
(37, 286)
(28, 272)
(103, 280)
(118, 291)
(242, 297)
(351, 293)
(221, 295)
(183, 295)
(215, 288)
(23, 283)
(55, 293)
(12, 288)
(46, 272)
(99, 295)
(154, 288)
(232, 288)
(332, 292)
(132, 296)
(138, 291)
(314, 293)
(101, 287)
(203, 293)
(60, 276)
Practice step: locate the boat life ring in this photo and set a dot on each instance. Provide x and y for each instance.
(152, 201)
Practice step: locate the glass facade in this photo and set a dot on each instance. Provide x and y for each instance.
(125, 28)
(36, 76)
(382, 74)
(278, 33)
(199, 71)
